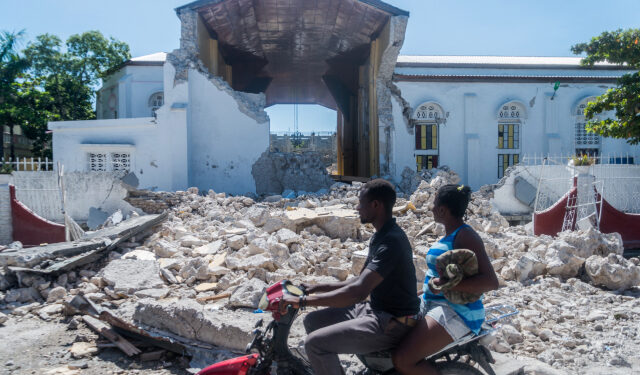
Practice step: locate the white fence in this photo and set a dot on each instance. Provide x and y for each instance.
(617, 175)
(26, 164)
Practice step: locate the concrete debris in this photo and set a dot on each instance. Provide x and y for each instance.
(248, 294)
(3, 318)
(613, 272)
(115, 219)
(40, 259)
(187, 318)
(83, 349)
(130, 275)
(56, 294)
(277, 172)
(97, 217)
(199, 274)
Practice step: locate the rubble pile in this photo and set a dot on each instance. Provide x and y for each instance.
(577, 295)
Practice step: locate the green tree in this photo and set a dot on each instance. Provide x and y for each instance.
(617, 47)
(12, 68)
(63, 81)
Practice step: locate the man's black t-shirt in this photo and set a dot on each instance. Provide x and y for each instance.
(390, 255)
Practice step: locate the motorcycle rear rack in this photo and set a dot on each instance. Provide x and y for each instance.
(493, 315)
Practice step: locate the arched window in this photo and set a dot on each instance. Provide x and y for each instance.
(427, 119)
(156, 101)
(510, 117)
(586, 143)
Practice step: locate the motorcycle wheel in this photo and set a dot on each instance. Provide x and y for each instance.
(457, 368)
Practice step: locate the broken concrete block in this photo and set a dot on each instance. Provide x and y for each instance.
(3, 318)
(187, 318)
(358, 260)
(7, 280)
(236, 242)
(22, 295)
(613, 272)
(83, 349)
(258, 215)
(129, 275)
(338, 272)
(46, 312)
(210, 248)
(248, 294)
(275, 223)
(254, 261)
(191, 241)
(165, 249)
(131, 179)
(217, 271)
(205, 287)
(97, 217)
(218, 260)
(257, 246)
(288, 237)
(56, 294)
(156, 293)
(113, 220)
(335, 221)
(528, 267)
(511, 334)
(171, 279)
(140, 255)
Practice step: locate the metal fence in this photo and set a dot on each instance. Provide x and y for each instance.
(26, 164)
(616, 177)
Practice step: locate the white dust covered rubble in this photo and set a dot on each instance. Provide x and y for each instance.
(577, 295)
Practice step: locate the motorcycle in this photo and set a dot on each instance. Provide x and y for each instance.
(270, 351)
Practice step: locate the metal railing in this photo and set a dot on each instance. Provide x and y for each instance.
(616, 178)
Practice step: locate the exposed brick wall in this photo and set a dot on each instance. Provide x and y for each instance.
(151, 202)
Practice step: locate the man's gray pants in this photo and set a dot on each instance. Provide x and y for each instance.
(352, 330)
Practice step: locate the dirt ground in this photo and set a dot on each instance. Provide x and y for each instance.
(30, 345)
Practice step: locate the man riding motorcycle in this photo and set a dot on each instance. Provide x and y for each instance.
(350, 325)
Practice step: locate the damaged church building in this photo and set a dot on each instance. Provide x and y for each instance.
(196, 116)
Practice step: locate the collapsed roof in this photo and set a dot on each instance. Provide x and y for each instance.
(285, 47)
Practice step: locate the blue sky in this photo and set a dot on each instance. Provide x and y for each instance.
(436, 27)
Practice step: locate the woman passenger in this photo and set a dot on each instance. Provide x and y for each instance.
(445, 322)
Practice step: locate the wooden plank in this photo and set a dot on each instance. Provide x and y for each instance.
(214, 298)
(107, 331)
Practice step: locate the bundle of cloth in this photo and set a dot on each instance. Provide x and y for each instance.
(453, 266)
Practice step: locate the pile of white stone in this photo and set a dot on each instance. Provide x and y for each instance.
(216, 245)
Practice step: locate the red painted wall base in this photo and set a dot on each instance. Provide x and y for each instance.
(31, 229)
(550, 222)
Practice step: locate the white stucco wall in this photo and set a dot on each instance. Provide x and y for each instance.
(224, 142)
(132, 87)
(5, 215)
(158, 150)
(469, 137)
(104, 190)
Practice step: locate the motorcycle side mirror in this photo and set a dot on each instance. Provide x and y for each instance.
(259, 323)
